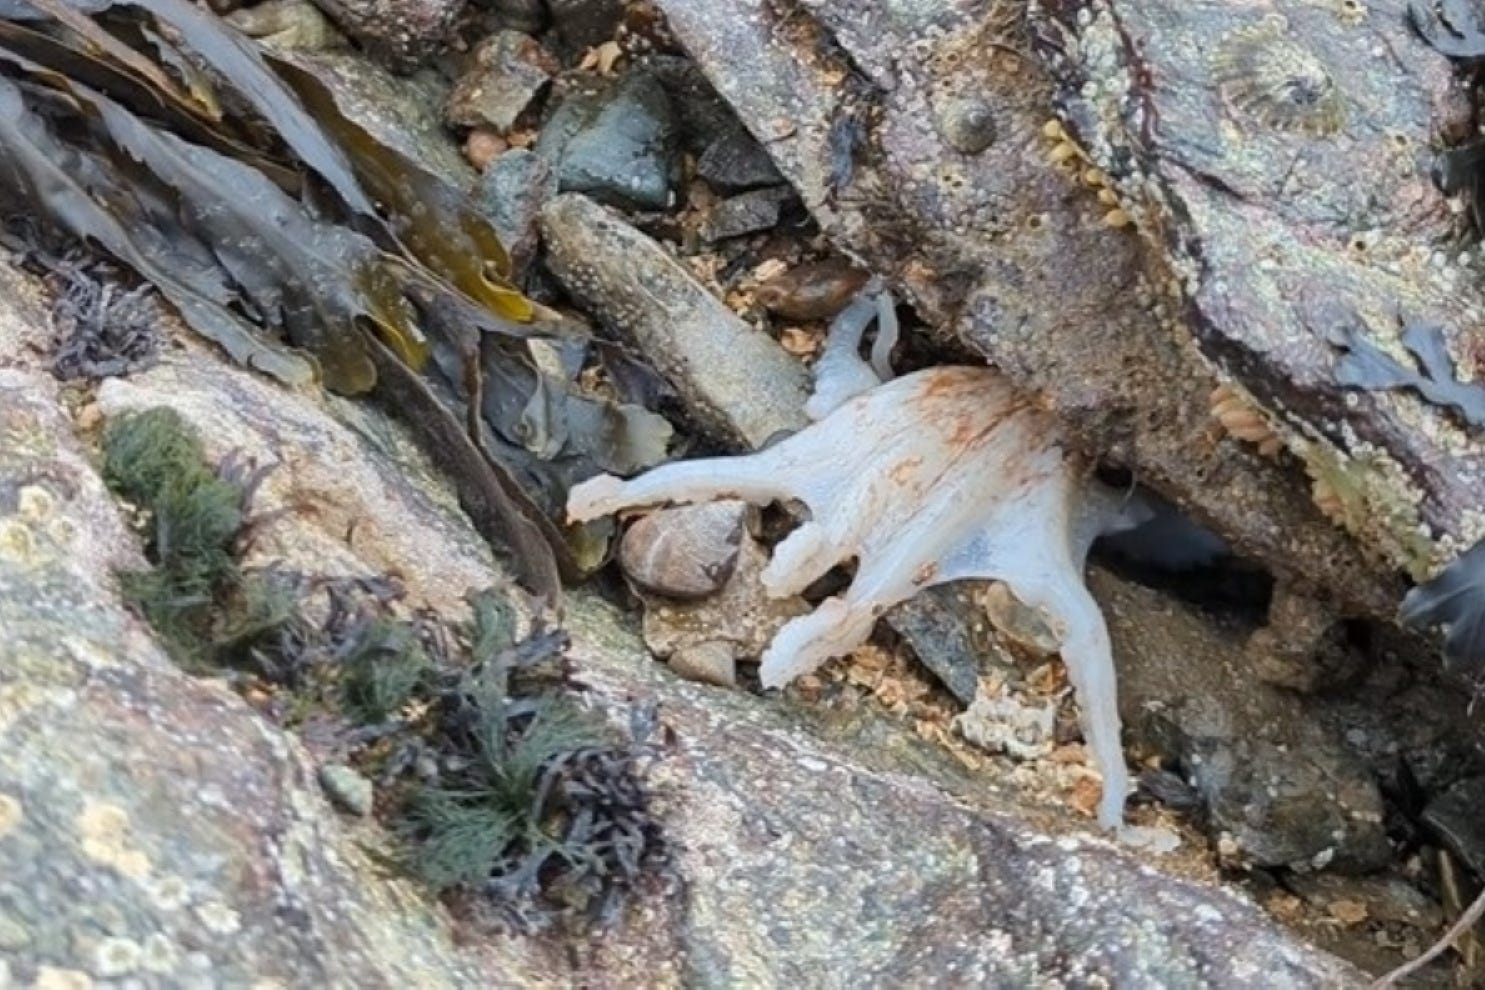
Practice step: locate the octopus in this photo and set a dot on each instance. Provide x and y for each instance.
(945, 474)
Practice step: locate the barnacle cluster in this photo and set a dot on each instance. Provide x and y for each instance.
(1361, 493)
(1241, 418)
(941, 475)
(1069, 156)
(1276, 81)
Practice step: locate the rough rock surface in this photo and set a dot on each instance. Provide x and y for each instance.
(403, 33)
(1287, 224)
(152, 827)
(1007, 250)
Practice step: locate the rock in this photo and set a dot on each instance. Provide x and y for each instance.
(482, 147)
(615, 143)
(508, 72)
(705, 117)
(526, 16)
(704, 638)
(1286, 297)
(746, 213)
(193, 826)
(946, 627)
(735, 162)
(736, 381)
(511, 193)
(404, 33)
(1453, 818)
(349, 790)
(585, 23)
(1000, 249)
(686, 552)
(1272, 779)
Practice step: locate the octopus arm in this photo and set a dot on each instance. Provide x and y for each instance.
(940, 475)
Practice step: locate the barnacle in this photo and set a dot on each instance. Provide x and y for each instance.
(1272, 78)
(938, 476)
(1239, 418)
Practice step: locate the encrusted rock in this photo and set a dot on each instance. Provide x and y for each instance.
(405, 33)
(737, 381)
(508, 72)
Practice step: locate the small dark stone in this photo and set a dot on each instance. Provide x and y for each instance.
(617, 145)
(736, 161)
(511, 193)
(509, 70)
(527, 16)
(939, 624)
(584, 23)
(746, 213)
(705, 117)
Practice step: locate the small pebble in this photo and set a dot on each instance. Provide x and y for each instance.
(685, 552)
(347, 789)
(814, 291)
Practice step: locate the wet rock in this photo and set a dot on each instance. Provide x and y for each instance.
(815, 290)
(616, 143)
(735, 161)
(585, 23)
(746, 213)
(737, 382)
(349, 790)
(404, 33)
(705, 117)
(511, 193)
(1276, 785)
(685, 552)
(508, 72)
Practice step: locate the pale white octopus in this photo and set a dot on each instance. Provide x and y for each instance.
(944, 474)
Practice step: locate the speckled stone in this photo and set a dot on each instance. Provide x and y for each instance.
(737, 381)
(349, 790)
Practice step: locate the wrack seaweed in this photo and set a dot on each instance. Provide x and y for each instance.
(500, 784)
(281, 230)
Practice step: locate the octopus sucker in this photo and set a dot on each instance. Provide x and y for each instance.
(1271, 78)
